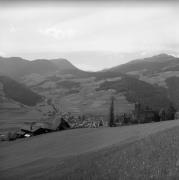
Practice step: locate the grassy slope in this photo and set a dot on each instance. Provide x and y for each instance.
(134, 154)
(155, 157)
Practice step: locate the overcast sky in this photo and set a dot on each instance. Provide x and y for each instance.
(52, 30)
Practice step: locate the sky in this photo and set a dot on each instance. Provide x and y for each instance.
(92, 36)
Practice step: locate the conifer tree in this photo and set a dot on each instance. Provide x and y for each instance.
(111, 116)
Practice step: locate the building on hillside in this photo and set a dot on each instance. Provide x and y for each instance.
(177, 115)
(63, 125)
(45, 127)
(33, 130)
(141, 115)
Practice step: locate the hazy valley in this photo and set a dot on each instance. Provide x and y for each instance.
(151, 81)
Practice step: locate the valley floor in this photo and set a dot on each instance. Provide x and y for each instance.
(148, 151)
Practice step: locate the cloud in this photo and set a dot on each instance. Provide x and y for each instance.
(123, 29)
(74, 27)
(12, 29)
(2, 54)
(58, 32)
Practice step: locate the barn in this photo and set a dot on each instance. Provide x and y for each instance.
(38, 128)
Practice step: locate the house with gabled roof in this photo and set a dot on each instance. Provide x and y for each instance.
(45, 127)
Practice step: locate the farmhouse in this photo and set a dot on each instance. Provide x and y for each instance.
(44, 127)
(177, 115)
(142, 115)
(33, 130)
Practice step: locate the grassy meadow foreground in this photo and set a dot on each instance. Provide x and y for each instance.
(148, 151)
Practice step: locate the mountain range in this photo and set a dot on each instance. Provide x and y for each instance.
(17, 67)
(152, 81)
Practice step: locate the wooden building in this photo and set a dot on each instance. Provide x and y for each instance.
(144, 115)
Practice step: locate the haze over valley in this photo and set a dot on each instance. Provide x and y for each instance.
(153, 81)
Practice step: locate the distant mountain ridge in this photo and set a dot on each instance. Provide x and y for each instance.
(155, 64)
(17, 67)
(152, 81)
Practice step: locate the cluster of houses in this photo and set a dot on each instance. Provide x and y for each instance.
(68, 121)
(59, 123)
(43, 127)
(37, 128)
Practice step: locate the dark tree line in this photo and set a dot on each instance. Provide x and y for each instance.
(141, 115)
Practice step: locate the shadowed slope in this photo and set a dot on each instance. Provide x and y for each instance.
(19, 92)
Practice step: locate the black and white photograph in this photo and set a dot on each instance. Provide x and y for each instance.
(89, 90)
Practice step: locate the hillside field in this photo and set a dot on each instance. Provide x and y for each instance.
(147, 151)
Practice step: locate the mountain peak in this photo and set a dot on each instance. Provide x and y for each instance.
(163, 55)
(160, 58)
(18, 67)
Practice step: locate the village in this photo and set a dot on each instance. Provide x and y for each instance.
(58, 121)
